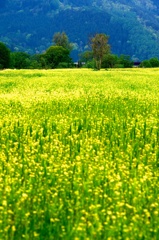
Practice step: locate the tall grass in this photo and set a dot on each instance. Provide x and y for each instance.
(79, 154)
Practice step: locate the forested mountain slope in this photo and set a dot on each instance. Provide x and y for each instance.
(133, 26)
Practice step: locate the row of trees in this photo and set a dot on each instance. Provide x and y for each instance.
(58, 56)
(100, 55)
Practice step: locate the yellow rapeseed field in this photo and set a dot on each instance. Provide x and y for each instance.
(79, 154)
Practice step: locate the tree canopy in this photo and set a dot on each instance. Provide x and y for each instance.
(20, 60)
(100, 47)
(61, 39)
(4, 56)
(55, 55)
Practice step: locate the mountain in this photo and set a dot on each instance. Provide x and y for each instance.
(133, 26)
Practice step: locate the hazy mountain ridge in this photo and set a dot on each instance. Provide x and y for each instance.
(133, 26)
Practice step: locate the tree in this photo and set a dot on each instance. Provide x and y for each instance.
(55, 55)
(20, 60)
(100, 47)
(125, 61)
(86, 59)
(61, 39)
(86, 56)
(145, 64)
(109, 61)
(154, 62)
(4, 56)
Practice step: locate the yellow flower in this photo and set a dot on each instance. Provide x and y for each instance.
(13, 228)
(36, 234)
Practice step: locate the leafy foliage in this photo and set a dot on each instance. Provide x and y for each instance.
(4, 56)
(20, 60)
(100, 47)
(110, 61)
(61, 39)
(125, 61)
(55, 55)
(153, 62)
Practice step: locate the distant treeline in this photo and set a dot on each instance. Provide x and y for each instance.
(59, 57)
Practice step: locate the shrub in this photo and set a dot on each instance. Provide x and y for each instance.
(145, 64)
(154, 62)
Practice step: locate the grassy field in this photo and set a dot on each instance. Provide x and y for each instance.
(79, 154)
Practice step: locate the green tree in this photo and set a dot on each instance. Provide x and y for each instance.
(36, 61)
(125, 61)
(55, 55)
(154, 62)
(20, 60)
(145, 64)
(61, 39)
(109, 61)
(100, 47)
(86, 59)
(4, 56)
(86, 56)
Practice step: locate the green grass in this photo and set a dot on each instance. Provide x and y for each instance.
(79, 154)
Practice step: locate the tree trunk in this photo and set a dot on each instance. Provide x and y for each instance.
(98, 64)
